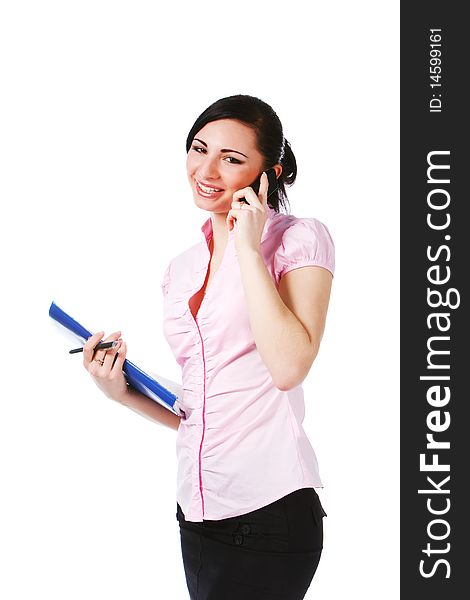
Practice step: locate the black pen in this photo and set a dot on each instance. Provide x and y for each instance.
(100, 346)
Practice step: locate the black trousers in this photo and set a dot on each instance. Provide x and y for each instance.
(268, 554)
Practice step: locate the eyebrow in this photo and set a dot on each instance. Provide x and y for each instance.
(223, 149)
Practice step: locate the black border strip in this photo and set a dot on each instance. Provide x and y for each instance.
(434, 256)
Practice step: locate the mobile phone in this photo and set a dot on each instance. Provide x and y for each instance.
(272, 184)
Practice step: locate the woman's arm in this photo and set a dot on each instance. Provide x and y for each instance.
(149, 408)
(287, 324)
(110, 379)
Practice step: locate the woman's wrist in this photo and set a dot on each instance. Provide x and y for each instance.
(249, 254)
(123, 397)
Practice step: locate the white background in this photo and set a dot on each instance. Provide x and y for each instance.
(97, 101)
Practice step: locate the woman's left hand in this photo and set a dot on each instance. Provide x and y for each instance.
(248, 220)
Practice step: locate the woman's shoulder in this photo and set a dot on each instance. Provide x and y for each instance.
(301, 241)
(286, 226)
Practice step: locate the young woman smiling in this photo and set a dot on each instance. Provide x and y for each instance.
(244, 314)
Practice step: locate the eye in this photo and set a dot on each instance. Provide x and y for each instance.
(231, 159)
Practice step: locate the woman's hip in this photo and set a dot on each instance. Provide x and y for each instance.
(272, 552)
(293, 523)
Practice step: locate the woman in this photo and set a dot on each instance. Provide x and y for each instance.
(244, 313)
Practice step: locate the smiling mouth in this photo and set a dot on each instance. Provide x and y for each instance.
(207, 190)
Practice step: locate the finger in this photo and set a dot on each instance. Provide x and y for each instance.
(263, 188)
(249, 195)
(230, 220)
(89, 345)
(120, 358)
(110, 356)
(234, 214)
(100, 354)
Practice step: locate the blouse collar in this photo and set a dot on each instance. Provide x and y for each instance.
(207, 226)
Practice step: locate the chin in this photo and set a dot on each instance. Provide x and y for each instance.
(217, 205)
(211, 206)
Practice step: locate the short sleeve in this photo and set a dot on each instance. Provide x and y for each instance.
(305, 243)
(166, 280)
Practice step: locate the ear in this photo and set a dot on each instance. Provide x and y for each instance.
(278, 169)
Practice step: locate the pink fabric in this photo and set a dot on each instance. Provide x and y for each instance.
(240, 443)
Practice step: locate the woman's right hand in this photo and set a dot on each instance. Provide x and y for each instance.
(108, 376)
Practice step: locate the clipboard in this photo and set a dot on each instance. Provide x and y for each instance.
(135, 376)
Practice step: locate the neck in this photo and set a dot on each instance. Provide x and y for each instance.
(219, 231)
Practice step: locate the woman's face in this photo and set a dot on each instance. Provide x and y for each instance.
(224, 158)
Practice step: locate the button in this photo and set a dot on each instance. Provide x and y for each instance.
(238, 539)
(245, 529)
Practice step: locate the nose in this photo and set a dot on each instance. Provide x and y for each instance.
(208, 170)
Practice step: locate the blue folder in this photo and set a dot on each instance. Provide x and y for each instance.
(137, 378)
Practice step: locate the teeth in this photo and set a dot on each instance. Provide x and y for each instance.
(206, 189)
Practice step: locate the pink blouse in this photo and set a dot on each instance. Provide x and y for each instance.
(240, 443)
